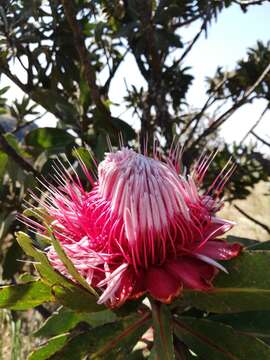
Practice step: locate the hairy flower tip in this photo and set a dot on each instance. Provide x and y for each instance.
(143, 228)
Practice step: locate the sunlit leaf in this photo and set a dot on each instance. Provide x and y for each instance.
(53, 345)
(24, 296)
(64, 320)
(215, 341)
(163, 331)
(245, 288)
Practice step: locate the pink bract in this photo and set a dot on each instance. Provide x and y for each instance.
(142, 229)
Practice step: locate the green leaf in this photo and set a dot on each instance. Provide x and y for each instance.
(163, 332)
(84, 344)
(101, 146)
(4, 89)
(64, 290)
(65, 320)
(70, 266)
(48, 274)
(13, 142)
(257, 323)
(262, 245)
(214, 341)
(47, 138)
(85, 156)
(24, 296)
(106, 342)
(244, 241)
(45, 352)
(245, 288)
(76, 299)
(26, 277)
(55, 103)
(125, 129)
(3, 164)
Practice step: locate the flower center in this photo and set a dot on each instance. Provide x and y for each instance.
(146, 193)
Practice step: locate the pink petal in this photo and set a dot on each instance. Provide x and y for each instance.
(220, 250)
(139, 287)
(162, 285)
(217, 227)
(125, 289)
(193, 273)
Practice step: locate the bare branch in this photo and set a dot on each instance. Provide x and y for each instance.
(211, 99)
(179, 24)
(14, 79)
(261, 139)
(192, 43)
(248, 2)
(257, 222)
(79, 42)
(14, 155)
(112, 72)
(222, 118)
(255, 125)
(27, 123)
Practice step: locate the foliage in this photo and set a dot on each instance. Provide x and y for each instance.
(68, 53)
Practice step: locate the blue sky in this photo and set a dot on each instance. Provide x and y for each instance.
(227, 41)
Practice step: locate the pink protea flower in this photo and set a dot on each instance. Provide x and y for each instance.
(143, 228)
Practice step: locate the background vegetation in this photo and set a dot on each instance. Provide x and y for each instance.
(69, 52)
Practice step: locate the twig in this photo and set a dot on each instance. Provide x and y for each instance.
(257, 222)
(45, 313)
(14, 155)
(184, 23)
(79, 42)
(26, 124)
(222, 118)
(248, 2)
(192, 43)
(209, 102)
(255, 125)
(112, 72)
(261, 139)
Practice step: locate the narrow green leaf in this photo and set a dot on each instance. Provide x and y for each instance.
(46, 138)
(3, 164)
(85, 344)
(256, 323)
(85, 156)
(13, 142)
(245, 288)
(53, 345)
(125, 129)
(48, 274)
(70, 266)
(133, 327)
(106, 342)
(64, 320)
(242, 240)
(262, 245)
(24, 296)
(215, 341)
(26, 277)
(163, 331)
(76, 299)
(64, 290)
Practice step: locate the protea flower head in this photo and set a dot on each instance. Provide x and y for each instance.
(143, 228)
